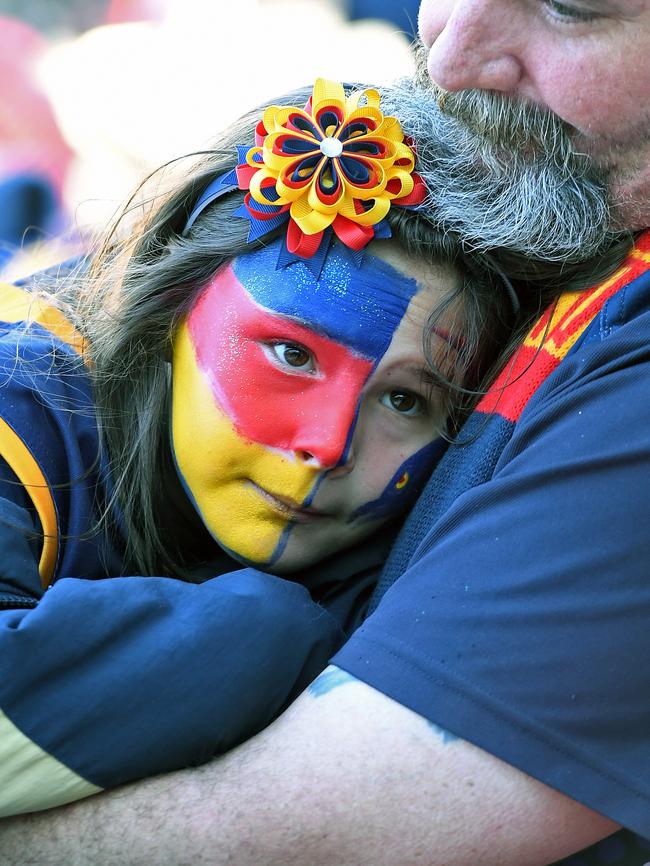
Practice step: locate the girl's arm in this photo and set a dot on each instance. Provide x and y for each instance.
(106, 681)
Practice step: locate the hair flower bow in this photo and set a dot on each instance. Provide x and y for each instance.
(335, 166)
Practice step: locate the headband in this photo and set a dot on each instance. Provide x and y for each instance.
(332, 168)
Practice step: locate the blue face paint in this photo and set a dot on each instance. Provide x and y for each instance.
(360, 307)
(405, 484)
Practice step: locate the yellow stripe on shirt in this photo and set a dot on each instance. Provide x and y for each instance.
(32, 780)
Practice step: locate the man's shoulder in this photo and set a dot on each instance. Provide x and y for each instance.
(628, 307)
(611, 356)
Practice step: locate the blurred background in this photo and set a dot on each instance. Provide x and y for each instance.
(96, 93)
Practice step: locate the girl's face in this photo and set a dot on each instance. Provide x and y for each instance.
(301, 414)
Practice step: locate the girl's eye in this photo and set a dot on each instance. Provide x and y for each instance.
(404, 402)
(295, 356)
(569, 13)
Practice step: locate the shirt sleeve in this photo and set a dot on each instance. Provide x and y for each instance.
(107, 681)
(523, 621)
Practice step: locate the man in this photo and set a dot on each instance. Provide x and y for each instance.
(520, 624)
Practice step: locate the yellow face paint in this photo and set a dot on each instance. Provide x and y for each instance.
(233, 482)
(404, 480)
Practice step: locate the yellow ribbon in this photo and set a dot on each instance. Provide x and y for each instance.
(307, 208)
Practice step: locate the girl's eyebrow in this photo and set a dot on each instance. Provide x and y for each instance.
(420, 372)
(429, 378)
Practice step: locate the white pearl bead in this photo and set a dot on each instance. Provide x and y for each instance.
(331, 147)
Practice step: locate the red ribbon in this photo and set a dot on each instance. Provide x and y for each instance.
(300, 244)
(351, 234)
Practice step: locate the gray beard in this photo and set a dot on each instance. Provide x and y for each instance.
(503, 174)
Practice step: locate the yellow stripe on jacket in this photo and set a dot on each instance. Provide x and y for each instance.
(17, 305)
(23, 464)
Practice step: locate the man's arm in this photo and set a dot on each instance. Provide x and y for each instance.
(346, 777)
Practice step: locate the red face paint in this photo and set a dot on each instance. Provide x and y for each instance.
(308, 412)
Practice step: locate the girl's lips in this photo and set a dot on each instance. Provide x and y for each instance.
(293, 510)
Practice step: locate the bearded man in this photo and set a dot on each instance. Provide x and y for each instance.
(494, 709)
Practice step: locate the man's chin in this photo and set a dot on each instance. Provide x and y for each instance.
(630, 197)
(627, 173)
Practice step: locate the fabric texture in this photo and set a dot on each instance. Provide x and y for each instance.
(514, 610)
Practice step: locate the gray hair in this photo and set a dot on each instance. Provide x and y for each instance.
(502, 173)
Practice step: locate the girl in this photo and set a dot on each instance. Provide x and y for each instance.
(241, 379)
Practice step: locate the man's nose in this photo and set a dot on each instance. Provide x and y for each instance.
(472, 44)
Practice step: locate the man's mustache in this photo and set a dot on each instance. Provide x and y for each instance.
(503, 173)
(508, 124)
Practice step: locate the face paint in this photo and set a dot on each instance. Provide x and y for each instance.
(359, 307)
(269, 374)
(242, 350)
(405, 484)
(232, 481)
